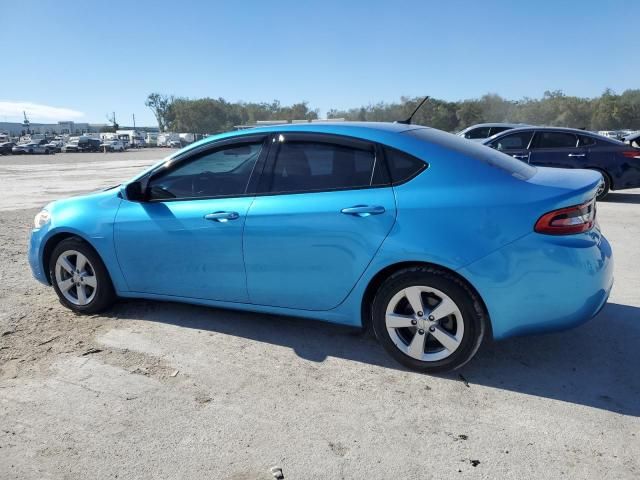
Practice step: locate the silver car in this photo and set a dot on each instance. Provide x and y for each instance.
(32, 147)
(479, 132)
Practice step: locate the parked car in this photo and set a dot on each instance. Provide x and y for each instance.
(482, 131)
(618, 163)
(633, 139)
(55, 146)
(174, 144)
(6, 147)
(112, 146)
(82, 144)
(434, 241)
(32, 147)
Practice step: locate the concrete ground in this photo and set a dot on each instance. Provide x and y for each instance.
(161, 390)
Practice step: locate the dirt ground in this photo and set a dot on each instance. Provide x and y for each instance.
(162, 390)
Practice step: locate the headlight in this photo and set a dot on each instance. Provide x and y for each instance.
(42, 218)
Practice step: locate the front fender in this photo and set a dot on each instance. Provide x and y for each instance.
(89, 217)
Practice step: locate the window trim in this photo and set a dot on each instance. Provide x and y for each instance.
(263, 188)
(193, 154)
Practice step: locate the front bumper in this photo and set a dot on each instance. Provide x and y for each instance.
(542, 283)
(36, 243)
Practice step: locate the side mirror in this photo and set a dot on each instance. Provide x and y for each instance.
(135, 192)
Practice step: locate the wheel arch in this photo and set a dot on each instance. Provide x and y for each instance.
(604, 173)
(378, 279)
(53, 241)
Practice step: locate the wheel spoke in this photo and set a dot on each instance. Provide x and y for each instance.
(445, 308)
(416, 347)
(398, 321)
(65, 285)
(414, 296)
(64, 263)
(447, 340)
(82, 295)
(90, 281)
(81, 262)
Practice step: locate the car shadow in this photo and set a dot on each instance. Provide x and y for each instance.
(594, 365)
(615, 197)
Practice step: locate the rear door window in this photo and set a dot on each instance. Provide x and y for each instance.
(311, 166)
(586, 141)
(555, 140)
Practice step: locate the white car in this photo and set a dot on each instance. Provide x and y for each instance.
(482, 131)
(113, 145)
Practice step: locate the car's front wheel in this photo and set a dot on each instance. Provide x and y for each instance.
(79, 277)
(428, 319)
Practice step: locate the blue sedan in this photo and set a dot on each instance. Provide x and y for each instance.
(435, 242)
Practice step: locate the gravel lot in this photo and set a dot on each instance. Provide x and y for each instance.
(161, 390)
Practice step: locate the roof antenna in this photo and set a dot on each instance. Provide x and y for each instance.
(408, 120)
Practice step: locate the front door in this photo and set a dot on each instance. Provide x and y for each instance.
(322, 215)
(515, 144)
(186, 241)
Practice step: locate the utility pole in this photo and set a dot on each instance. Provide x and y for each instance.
(134, 129)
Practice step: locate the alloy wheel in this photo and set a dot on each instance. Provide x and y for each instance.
(75, 277)
(424, 323)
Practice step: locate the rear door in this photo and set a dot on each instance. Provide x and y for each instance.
(515, 144)
(323, 209)
(557, 149)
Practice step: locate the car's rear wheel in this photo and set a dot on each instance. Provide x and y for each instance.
(604, 187)
(79, 277)
(428, 320)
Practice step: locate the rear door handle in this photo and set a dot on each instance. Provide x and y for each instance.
(222, 216)
(576, 155)
(363, 210)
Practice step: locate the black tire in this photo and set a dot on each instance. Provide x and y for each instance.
(104, 293)
(474, 318)
(606, 186)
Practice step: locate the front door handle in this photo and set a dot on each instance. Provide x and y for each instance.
(222, 216)
(363, 210)
(576, 155)
(521, 157)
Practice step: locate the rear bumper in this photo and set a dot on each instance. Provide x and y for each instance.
(542, 283)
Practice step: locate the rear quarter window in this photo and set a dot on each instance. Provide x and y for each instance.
(479, 152)
(402, 166)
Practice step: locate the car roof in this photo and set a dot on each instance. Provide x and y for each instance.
(330, 127)
(353, 129)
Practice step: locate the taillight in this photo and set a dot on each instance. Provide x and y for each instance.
(631, 154)
(569, 220)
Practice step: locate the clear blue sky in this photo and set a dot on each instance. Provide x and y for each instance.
(98, 57)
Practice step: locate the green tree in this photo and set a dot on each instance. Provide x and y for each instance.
(160, 105)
